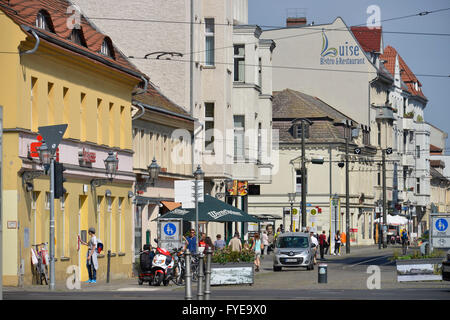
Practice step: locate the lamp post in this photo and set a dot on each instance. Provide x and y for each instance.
(198, 175)
(48, 162)
(291, 196)
(153, 171)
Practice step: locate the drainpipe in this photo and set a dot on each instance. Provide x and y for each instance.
(142, 112)
(145, 87)
(36, 45)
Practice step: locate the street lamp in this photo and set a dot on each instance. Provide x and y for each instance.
(111, 163)
(291, 196)
(153, 170)
(198, 175)
(44, 155)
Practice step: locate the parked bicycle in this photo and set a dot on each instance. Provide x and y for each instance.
(39, 259)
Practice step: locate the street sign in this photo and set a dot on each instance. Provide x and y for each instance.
(313, 212)
(170, 233)
(52, 135)
(185, 193)
(440, 231)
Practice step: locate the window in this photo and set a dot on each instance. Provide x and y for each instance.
(77, 37)
(209, 44)
(379, 176)
(259, 160)
(209, 126)
(298, 130)
(405, 176)
(379, 133)
(417, 185)
(47, 201)
(44, 22)
(239, 137)
(107, 48)
(239, 63)
(298, 180)
(260, 72)
(51, 105)
(418, 152)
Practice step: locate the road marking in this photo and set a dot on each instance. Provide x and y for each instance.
(137, 289)
(365, 261)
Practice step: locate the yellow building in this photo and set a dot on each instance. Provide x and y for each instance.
(57, 68)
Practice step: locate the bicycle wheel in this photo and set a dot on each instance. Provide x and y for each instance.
(194, 269)
(44, 273)
(179, 276)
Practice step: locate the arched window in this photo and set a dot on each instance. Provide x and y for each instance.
(107, 48)
(78, 37)
(43, 21)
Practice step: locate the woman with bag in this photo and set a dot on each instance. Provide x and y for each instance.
(91, 259)
(337, 243)
(257, 247)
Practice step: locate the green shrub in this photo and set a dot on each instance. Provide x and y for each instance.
(225, 255)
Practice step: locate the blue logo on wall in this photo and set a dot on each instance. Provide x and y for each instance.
(441, 225)
(170, 229)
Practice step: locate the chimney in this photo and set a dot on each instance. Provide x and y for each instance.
(295, 22)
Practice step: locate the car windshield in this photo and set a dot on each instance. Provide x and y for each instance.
(292, 242)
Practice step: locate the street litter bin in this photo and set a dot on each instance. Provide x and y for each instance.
(322, 270)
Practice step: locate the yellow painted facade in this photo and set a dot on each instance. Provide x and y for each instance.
(55, 86)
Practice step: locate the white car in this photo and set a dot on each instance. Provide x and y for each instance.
(293, 249)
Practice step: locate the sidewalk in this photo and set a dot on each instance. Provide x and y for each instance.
(132, 283)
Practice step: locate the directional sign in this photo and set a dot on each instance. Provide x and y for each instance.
(52, 135)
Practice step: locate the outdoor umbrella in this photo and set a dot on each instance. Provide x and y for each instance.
(211, 209)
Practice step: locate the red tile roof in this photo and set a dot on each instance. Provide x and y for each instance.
(24, 12)
(435, 149)
(408, 77)
(368, 38)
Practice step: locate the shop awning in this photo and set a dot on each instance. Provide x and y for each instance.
(170, 205)
(213, 210)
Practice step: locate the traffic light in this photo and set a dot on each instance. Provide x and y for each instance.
(59, 180)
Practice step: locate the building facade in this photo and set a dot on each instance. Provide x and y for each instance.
(91, 91)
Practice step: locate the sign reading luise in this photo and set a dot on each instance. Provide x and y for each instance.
(344, 54)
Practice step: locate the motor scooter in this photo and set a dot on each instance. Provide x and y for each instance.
(162, 267)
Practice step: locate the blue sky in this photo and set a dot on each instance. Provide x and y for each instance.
(423, 54)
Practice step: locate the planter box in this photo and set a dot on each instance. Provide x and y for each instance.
(419, 270)
(232, 273)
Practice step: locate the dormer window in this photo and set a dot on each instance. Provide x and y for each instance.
(77, 37)
(107, 48)
(44, 22)
(297, 130)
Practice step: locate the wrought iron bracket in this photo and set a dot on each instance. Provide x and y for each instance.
(95, 183)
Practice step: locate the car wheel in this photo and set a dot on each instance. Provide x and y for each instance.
(276, 268)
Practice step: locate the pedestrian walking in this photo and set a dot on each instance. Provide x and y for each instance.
(256, 247)
(327, 247)
(235, 243)
(270, 237)
(337, 243)
(219, 243)
(191, 242)
(91, 258)
(315, 244)
(404, 242)
(323, 243)
(265, 242)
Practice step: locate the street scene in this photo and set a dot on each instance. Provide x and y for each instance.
(224, 150)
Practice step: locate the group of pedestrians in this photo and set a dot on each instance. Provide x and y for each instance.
(323, 243)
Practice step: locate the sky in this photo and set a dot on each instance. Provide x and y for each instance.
(424, 54)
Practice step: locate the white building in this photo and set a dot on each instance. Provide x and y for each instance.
(411, 138)
(337, 65)
(195, 70)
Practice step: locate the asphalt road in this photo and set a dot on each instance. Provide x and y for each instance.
(349, 277)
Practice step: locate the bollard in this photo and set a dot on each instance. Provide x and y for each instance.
(187, 276)
(109, 266)
(322, 270)
(208, 274)
(200, 294)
